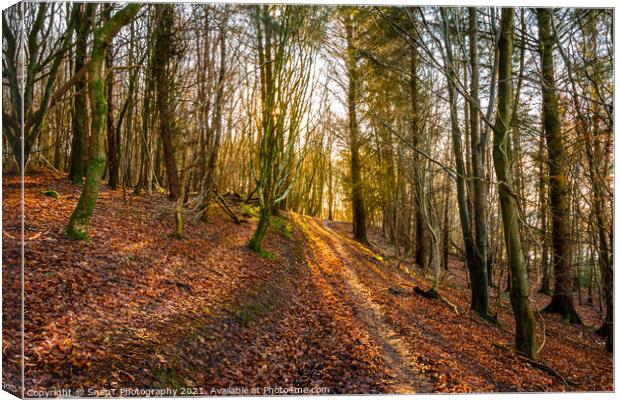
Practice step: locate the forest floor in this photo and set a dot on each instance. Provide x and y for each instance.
(136, 308)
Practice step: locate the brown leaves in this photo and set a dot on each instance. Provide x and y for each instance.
(138, 308)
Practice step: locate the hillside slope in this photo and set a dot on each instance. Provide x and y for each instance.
(136, 308)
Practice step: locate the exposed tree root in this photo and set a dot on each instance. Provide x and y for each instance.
(538, 365)
(555, 306)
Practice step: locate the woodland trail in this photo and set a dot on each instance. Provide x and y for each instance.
(134, 308)
(342, 262)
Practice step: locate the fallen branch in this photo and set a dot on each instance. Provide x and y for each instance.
(225, 207)
(397, 291)
(544, 328)
(429, 294)
(456, 310)
(213, 271)
(433, 294)
(538, 365)
(37, 235)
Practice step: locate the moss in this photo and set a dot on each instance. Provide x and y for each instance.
(282, 225)
(168, 378)
(268, 255)
(249, 210)
(207, 311)
(76, 234)
(261, 228)
(259, 304)
(371, 253)
(50, 193)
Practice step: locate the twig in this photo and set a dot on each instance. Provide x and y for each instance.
(542, 345)
(432, 294)
(37, 235)
(456, 310)
(397, 291)
(539, 365)
(223, 204)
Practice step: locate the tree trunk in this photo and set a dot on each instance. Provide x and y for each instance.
(519, 291)
(79, 119)
(446, 227)
(162, 56)
(261, 229)
(145, 153)
(80, 218)
(357, 195)
(216, 126)
(562, 300)
(545, 286)
(476, 265)
(420, 228)
(112, 142)
(330, 192)
(480, 275)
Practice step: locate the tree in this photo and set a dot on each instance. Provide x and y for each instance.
(519, 288)
(562, 299)
(473, 250)
(479, 270)
(40, 70)
(80, 110)
(283, 77)
(164, 21)
(357, 194)
(80, 218)
(113, 140)
(214, 131)
(420, 228)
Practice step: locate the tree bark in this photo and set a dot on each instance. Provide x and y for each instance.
(519, 291)
(79, 119)
(562, 299)
(162, 56)
(112, 142)
(357, 195)
(476, 265)
(80, 218)
(213, 141)
(421, 257)
(479, 270)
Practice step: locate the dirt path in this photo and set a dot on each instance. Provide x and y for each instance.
(340, 260)
(137, 309)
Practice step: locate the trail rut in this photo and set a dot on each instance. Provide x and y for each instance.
(335, 257)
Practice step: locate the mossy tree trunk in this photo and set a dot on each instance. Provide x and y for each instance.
(525, 341)
(263, 223)
(164, 21)
(267, 146)
(80, 218)
(562, 299)
(283, 77)
(479, 270)
(113, 145)
(80, 110)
